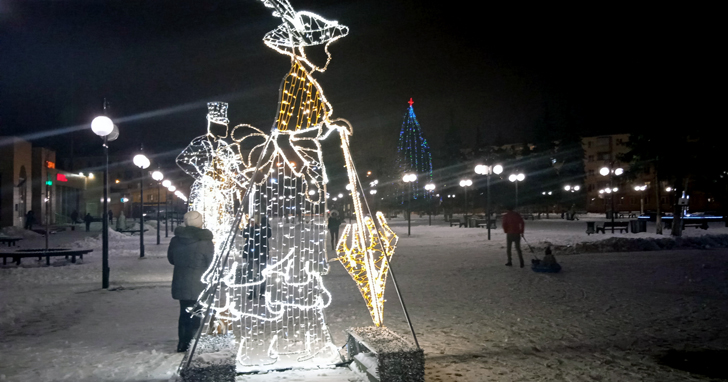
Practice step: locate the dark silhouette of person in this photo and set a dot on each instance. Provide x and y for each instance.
(88, 219)
(190, 251)
(74, 220)
(513, 226)
(111, 217)
(333, 226)
(29, 220)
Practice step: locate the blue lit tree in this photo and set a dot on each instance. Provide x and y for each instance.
(413, 156)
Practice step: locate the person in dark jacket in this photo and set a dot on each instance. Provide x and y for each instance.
(29, 220)
(333, 226)
(190, 251)
(74, 220)
(88, 219)
(513, 226)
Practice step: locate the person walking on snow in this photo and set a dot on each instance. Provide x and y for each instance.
(513, 226)
(88, 219)
(333, 226)
(190, 251)
(121, 222)
(74, 219)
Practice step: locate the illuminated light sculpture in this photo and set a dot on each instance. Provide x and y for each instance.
(278, 180)
(413, 156)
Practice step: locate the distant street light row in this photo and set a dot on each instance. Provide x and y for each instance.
(105, 128)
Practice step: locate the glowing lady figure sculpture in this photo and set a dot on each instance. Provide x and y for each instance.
(282, 180)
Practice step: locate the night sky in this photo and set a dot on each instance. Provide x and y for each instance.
(502, 69)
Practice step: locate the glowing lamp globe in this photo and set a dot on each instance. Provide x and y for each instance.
(157, 175)
(373, 192)
(520, 177)
(166, 183)
(171, 188)
(497, 169)
(567, 187)
(604, 171)
(577, 188)
(512, 177)
(619, 171)
(481, 169)
(102, 126)
(141, 161)
(429, 187)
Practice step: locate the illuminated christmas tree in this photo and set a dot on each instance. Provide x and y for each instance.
(413, 156)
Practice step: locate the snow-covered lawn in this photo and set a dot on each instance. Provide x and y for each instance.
(606, 317)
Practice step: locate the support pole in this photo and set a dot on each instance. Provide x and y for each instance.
(141, 215)
(487, 208)
(105, 218)
(158, 197)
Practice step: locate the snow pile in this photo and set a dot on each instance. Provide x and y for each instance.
(621, 244)
(96, 240)
(19, 232)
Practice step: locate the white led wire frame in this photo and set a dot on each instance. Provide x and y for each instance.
(287, 326)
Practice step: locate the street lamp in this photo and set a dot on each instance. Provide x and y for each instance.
(640, 189)
(141, 161)
(611, 172)
(409, 178)
(158, 176)
(465, 183)
(171, 205)
(515, 178)
(488, 170)
(166, 184)
(105, 128)
(429, 187)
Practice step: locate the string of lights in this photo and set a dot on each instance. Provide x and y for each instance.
(266, 207)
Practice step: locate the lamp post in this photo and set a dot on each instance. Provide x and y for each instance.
(105, 128)
(141, 161)
(641, 189)
(171, 204)
(158, 176)
(465, 183)
(488, 170)
(515, 178)
(611, 172)
(407, 179)
(429, 187)
(166, 185)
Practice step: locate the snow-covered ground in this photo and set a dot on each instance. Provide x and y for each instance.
(606, 317)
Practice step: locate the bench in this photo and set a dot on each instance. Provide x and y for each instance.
(132, 231)
(703, 224)
(40, 253)
(484, 222)
(626, 214)
(10, 241)
(621, 226)
(459, 222)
